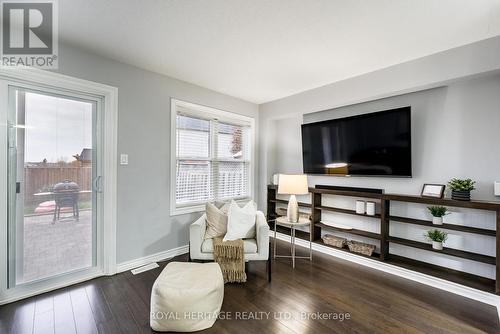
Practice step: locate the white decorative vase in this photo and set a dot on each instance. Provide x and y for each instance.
(370, 208)
(292, 212)
(437, 220)
(437, 245)
(360, 207)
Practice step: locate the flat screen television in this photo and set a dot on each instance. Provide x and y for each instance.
(374, 144)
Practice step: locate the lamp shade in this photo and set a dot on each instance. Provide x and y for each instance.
(293, 184)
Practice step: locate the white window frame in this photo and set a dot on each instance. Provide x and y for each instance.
(204, 112)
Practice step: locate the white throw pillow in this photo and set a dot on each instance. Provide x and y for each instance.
(241, 221)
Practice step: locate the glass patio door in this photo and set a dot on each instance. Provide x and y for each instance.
(53, 181)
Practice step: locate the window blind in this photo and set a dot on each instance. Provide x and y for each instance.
(213, 159)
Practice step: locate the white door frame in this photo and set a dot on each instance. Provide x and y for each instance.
(109, 97)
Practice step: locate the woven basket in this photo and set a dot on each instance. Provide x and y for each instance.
(361, 248)
(334, 240)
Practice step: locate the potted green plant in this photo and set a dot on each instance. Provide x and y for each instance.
(437, 212)
(437, 237)
(461, 188)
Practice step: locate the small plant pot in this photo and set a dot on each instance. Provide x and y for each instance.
(437, 220)
(437, 245)
(460, 195)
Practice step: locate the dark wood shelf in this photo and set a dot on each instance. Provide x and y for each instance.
(448, 251)
(374, 256)
(473, 204)
(282, 201)
(460, 277)
(350, 193)
(346, 211)
(384, 221)
(461, 228)
(346, 193)
(352, 231)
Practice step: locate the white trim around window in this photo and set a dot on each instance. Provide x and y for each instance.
(204, 112)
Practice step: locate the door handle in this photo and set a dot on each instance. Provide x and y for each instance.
(98, 184)
(18, 187)
(11, 137)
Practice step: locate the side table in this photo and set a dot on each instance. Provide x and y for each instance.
(283, 221)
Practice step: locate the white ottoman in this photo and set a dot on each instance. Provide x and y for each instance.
(186, 297)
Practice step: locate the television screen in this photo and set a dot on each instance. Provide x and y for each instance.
(374, 144)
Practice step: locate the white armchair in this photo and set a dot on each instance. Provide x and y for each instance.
(255, 249)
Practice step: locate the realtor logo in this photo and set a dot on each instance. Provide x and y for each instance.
(29, 33)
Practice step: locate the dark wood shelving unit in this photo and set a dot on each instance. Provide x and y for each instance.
(385, 239)
(460, 277)
(316, 209)
(449, 273)
(362, 233)
(448, 251)
(454, 227)
(347, 211)
(351, 193)
(374, 256)
(480, 205)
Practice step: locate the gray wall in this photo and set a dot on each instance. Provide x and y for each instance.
(144, 225)
(455, 134)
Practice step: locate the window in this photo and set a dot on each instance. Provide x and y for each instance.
(212, 150)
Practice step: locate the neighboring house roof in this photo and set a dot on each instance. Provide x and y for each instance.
(86, 154)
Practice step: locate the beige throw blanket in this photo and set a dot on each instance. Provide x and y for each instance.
(230, 257)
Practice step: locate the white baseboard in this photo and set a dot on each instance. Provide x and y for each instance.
(161, 256)
(435, 282)
(141, 269)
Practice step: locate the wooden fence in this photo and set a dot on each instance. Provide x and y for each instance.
(42, 179)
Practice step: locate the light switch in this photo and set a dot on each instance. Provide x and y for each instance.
(123, 159)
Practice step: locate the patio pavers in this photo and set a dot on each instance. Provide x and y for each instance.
(51, 249)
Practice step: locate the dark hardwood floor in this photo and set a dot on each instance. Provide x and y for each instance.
(377, 303)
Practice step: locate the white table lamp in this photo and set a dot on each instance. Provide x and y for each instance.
(293, 185)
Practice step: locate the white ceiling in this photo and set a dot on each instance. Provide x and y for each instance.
(261, 50)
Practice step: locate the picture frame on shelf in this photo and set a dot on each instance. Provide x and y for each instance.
(433, 190)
